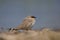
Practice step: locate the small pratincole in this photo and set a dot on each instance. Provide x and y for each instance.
(26, 24)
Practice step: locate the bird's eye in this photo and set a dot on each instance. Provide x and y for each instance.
(33, 16)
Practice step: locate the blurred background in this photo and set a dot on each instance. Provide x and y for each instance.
(12, 12)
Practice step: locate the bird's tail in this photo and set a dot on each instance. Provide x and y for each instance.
(13, 29)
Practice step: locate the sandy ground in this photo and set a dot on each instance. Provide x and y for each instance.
(45, 34)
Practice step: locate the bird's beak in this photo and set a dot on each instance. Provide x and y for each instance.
(34, 17)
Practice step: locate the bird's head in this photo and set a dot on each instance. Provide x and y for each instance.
(31, 17)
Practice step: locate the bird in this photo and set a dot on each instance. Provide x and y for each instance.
(26, 24)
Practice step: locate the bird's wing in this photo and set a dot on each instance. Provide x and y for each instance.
(25, 23)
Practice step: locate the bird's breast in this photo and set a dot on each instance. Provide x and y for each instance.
(33, 22)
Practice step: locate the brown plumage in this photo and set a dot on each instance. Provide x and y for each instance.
(27, 23)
